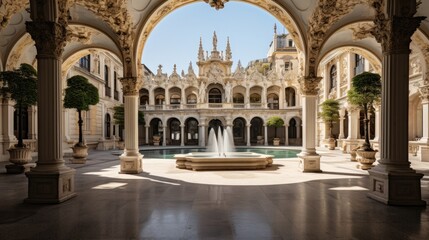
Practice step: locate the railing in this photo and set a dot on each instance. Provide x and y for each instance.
(238, 105)
(215, 105)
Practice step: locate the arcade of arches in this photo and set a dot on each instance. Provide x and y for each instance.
(333, 39)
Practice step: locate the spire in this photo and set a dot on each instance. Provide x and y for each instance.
(190, 68)
(275, 29)
(201, 51)
(214, 41)
(228, 54)
(174, 68)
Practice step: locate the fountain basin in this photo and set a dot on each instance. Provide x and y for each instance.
(229, 161)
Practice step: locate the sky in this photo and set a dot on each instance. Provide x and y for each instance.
(175, 39)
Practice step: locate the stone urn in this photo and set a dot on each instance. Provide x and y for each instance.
(21, 158)
(156, 140)
(353, 154)
(366, 158)
(80, 152)
(276, 141)
(331, 143)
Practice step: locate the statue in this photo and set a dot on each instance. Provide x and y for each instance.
(228, 92)
(202, 92)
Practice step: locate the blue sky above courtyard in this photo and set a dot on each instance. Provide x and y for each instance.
(175, 39)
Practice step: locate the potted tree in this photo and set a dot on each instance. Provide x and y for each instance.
(80, 94)
(330, 114)
(275, 122)
(118, 116)
(365, 90)
(20, 85)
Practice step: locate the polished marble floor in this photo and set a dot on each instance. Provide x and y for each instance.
(169, 203)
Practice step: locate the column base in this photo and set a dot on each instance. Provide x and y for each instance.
(18, 169)
(309, 163)
(50, 187)
(131, 164)
(396, 188)
(350, 144)
(424, 153)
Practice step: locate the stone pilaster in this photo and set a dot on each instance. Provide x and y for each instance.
(286, 134)
(376, 140)
(353, 124)
(393, 181)
(248, 133)
(424, 141)
(51, 181)
(265, 135)
(131, 159)
(147, 134)
(182, 135)
(309, 159)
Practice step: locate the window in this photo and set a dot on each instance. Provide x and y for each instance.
(290, 97)
(238, 98)
(215, 96)
(333, 78)
(106, 81)
(255, 98)
(273, 101)
(85, 62)
(192, 99)
(359, 64)
(107, 125)
(115, 86)
(86, 118)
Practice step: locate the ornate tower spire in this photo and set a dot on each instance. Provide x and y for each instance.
(190, 69)
(275, 29)
(228, 53)
(201, 51)
(214, 41)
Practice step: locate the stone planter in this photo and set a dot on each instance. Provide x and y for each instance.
(276, 141)
(79, 154)
(21, 158)
(353, 155)
(331, 144)
(366, 159)
(156, 140)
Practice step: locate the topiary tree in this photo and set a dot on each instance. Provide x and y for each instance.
(118, 116)
(330, 113)
(21, 86)
(275, 122)
(80, 94)
(365, 90)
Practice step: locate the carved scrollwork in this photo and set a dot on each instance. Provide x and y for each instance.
(50, 37)
(131, 85)
(309, 85)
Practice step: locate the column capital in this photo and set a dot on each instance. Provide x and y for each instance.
(394, 33)
(351, 108)
(50, 37)
(309, 85)
(131, 85)
(424, 93)
(377, 105)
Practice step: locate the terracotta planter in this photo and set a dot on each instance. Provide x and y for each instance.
(366, 159)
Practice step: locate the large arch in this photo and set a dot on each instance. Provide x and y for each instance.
(282, 12)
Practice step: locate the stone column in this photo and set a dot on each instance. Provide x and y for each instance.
(393, 181)
(287, 134)
(131, 159)
(202, 135)
(342, 114)
(51, 181)
(164, 135)
(309, 159)
(32, 118)
(265, 135)
(248, 133)
(182, 135)
(424, 141)
(375, 141)
(352, 140)
(147, 134)
(151, 97)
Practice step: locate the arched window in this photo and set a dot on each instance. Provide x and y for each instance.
(215, 96)
(191, 99)
(85, 62)
(333, 78)
(292, 128)
(238, 98)
(159, 99)
(107, 125)
(255, 98)
(273, 101)
(290, 97)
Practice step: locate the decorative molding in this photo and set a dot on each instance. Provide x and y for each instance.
(131, 85)
(50, 37)
(424, 94)
(8, 8)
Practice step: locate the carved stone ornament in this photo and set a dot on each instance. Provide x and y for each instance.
(424, 93)
(131, 85)
(394, 33)
(50, 37)
(309, 85)
(8, 8)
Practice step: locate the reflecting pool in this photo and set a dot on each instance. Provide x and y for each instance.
(169, 153)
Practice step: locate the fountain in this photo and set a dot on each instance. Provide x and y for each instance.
(221, 155)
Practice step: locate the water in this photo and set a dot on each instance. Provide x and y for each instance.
(220, 143)
(169, 153)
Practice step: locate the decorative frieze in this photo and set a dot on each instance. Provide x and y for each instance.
(424, 93)
(131, 85)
